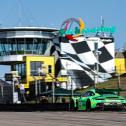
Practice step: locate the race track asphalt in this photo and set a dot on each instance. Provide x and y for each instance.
(63, 118)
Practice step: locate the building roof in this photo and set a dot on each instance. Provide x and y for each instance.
(28, 29)
(119, 55)
(59, 92)
(2, 82)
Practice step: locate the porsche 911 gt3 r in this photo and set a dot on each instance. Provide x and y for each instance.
(99, 98)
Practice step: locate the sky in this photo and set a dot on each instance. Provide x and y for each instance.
(52, 13)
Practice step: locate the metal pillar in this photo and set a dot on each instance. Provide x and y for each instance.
(118, 83)
(13, 89)
(71, 87)
(2, 93)
(97, 63)
(97, 68)
(39, 86)
(53, 92)
(36, 88)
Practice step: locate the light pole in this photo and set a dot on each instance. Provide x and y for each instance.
(71, 88)
(53, 87)
(97, 67)
(53, 92)
(39, 72)
(2, 91)
(97, 53)
(70, 79)
(36, 90)
(119, 82)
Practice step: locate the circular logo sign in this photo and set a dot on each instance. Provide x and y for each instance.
(72, 28)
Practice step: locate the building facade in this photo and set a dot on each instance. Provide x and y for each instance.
(89, 60)
(39, 56)
(30, 51)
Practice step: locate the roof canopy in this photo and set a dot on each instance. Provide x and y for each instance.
(60, 92)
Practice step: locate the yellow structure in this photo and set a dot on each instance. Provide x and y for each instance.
(34, 68)
(40, 68)
(120, 63)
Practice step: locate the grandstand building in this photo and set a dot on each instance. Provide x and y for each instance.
(33, 55)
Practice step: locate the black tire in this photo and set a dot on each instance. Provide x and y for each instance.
(88, 105)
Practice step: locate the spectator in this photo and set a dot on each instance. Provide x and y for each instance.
(22, 93)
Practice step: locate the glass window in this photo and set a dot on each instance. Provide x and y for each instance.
(101, 92)
(21, 68)
(50, 69)
(88, 93)
(34, 67)
(24, 46)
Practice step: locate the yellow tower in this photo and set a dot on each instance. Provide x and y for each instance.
(120, 63)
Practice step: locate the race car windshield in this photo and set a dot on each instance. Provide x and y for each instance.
(88, 93)
(105, 92)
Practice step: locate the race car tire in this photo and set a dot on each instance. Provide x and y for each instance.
(88, 105)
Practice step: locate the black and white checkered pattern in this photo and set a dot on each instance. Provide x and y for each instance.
(54, 50)
(82, 59)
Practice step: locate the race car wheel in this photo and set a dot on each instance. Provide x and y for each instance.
(88, 105)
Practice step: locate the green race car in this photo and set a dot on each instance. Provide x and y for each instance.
(98, 98)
